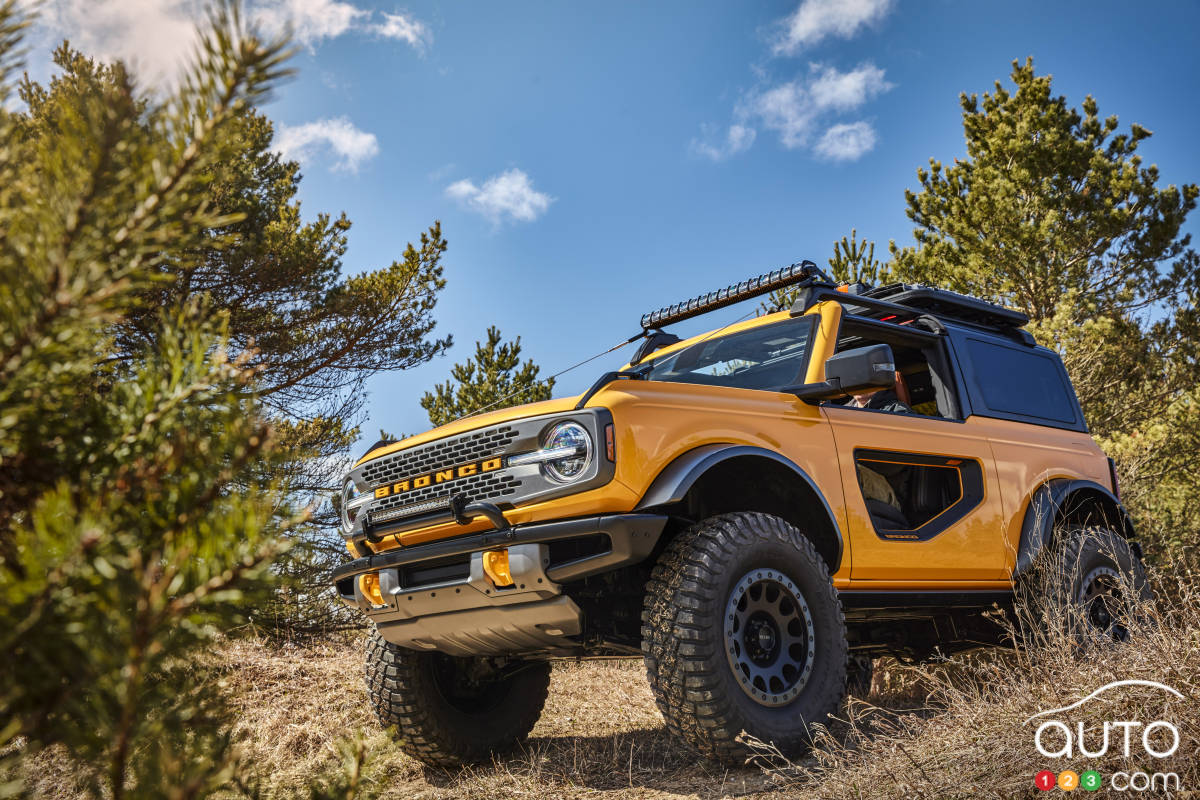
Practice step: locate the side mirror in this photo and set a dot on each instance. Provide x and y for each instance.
(854, 371)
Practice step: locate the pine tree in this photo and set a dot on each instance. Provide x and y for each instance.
(1053, 212)
(853, 260)
(312, 335)
(137, 518)
(494, 378)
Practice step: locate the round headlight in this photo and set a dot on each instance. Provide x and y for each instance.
(568, 436)
(349, 515)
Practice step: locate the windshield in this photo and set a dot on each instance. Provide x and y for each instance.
(768, 357)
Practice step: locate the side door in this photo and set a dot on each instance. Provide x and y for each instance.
(922, 496)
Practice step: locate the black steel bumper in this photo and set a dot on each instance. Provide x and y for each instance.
(633, 536)
(436, 596)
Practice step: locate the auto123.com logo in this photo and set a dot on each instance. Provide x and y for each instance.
(1139, 741)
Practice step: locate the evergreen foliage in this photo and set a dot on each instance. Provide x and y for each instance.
(494, 378)
(311, 335)
(140, 515)
(853, 260)
(1053, 212)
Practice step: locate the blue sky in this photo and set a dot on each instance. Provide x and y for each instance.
(590, 162)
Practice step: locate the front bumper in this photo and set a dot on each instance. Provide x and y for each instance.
(436, 596)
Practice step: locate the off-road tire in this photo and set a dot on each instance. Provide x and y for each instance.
(1083, 554)
(683, 635)
(407, 693)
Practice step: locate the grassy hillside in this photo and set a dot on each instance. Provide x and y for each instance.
(944, 730)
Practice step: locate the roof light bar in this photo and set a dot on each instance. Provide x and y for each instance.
(734, 293)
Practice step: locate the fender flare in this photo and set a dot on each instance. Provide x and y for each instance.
(677, 478)
(1054, 497)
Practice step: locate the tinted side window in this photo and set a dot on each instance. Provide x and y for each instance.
(1021, 381)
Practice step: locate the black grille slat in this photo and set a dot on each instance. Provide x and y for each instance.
(473, 447)
(439, 455)
(477, 487)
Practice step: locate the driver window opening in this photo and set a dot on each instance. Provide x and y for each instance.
(923, 383)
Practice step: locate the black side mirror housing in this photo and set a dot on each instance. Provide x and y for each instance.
(851, 372)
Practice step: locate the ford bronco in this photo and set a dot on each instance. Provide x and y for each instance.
(757, 512)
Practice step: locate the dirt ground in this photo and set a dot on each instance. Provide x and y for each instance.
(600, 736)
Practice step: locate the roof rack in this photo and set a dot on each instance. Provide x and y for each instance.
(893, 302)
(951, 305)
(902, 303)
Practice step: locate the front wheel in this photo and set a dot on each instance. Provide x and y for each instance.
(448, 711)
(743, 631)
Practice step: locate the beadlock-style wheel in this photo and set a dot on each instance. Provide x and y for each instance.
(1102, 603)
(769, 638)
(1091, 585)
(737, 651)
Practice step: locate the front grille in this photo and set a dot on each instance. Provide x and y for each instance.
(500, 485)
(488, 487)
(438, 455)
(491, 487)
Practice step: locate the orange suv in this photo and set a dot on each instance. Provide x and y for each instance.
(757, 512)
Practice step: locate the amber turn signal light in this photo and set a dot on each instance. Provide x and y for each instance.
(369, 584)
(495, 566)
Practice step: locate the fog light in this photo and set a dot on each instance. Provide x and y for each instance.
(495, 566)
(369, 584)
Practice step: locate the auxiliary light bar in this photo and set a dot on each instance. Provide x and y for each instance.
(735, 293)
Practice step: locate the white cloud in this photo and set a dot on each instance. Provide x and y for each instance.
(844, 91)
(814, 20)
(310, 21)
(338, 135)
(785, 109)
(158, 37)
(405, 29)
(846, 142)
(509, 194)
(795, 109)
(737, 138)
(155, 37)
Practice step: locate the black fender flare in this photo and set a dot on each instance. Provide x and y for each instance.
(1060, 495)
(677, 478)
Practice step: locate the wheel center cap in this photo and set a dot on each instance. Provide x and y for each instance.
(766, 638)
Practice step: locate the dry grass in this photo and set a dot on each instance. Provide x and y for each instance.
(970, 738)
(932, 731)
(600, 735)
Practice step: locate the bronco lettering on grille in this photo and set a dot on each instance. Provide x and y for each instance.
(440, 476)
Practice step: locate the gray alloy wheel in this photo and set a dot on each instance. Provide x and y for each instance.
(742, 630)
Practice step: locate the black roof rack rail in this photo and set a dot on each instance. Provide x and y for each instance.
(811, 295)
(903, 303)
(945, 303)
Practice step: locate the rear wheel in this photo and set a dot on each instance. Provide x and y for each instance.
(449, 711)
(1090, 585)
(860, 675)
(1101, 584)
(776, 661)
